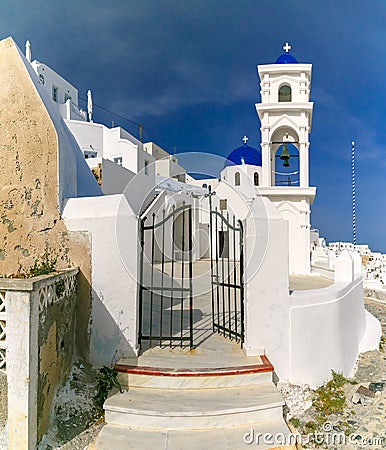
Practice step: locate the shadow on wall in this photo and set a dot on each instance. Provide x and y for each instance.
(107, 340)
(82, 318)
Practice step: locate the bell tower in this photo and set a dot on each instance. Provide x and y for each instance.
(285, 114)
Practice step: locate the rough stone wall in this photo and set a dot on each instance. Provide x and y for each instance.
(56, 350)
(3, 398)
(30, 223)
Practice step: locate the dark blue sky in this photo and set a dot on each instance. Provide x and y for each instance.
(186, 70)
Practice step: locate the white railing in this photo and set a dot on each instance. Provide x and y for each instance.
(70, 111)
(78, 112)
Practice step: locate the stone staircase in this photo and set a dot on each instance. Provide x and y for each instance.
(197, 408)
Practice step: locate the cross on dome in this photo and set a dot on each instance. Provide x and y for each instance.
(287, 47)
(245, 139)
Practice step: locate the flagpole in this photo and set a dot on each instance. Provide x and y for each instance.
(354, 237)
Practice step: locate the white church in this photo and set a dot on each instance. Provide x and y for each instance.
(202, 284)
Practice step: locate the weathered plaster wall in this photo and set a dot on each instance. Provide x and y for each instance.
(3, 398)
(56, 340)
(30, 223)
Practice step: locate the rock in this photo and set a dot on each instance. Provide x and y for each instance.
(307, 405)
(365, 392)
(356, 398)
(377, 387)
(363, 396)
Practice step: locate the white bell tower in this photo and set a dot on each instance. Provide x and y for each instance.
(285, 113)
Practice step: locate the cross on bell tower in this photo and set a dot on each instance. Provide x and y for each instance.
(286, 47)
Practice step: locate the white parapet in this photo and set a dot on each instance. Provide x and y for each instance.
(344, 267)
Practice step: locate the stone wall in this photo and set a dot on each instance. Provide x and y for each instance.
(56, 341)
(3, 398)
(30, 222)
(40, 347)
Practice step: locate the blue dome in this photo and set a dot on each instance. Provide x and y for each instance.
(244, 155)
(286, 58)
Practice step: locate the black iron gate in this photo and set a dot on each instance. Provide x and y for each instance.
(227, 269)
(165, 279)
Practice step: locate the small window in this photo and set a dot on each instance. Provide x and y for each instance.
(118, 160)
(55, 93)
(237, 179)
(285, 93)
(41, 78)
(223, 204)
(256, 179)
(67, 96)
(146, 167)
(204, 185)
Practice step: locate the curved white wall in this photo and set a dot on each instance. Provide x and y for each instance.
(307, 333)
(327, 326)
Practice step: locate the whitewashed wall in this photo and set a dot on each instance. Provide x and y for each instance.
(247, 173)
(327, 326)
(74, 176)
(267, 303)
(88, 135)
(306, 333)
(115, 178)
(49, 78)
(113, 229)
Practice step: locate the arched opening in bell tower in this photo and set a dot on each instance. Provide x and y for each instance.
(285, 160)
(285, 93)
(287, 167)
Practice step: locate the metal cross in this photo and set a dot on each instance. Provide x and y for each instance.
(287, 47)
(245, 139)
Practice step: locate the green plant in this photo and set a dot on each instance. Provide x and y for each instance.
(310, 427)
(382, 343)
(107, 380)
(44, 265)
(330, 398)
(295, 422)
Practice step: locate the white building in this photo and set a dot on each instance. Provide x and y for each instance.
(158, 246)
(277, 176)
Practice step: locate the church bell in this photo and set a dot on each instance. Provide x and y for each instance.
(285, 155)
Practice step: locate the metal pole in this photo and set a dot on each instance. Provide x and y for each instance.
(140, 303)
(354, 237)
(211, 251)
(190, 278)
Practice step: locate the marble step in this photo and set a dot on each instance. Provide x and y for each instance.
(231, 438)
(195, 377)
(144, 408)
(193, 382)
